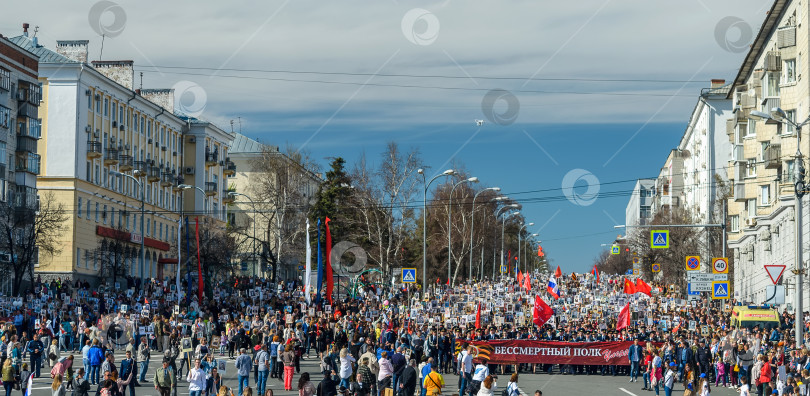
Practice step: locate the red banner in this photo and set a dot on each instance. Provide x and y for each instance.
(553, 352)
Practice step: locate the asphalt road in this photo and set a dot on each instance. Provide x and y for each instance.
(550, 384)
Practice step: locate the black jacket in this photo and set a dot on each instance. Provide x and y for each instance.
(408, 381)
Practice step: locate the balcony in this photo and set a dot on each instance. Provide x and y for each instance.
(226, 195)
(124, 162)
(26, 145)
(738, 153)
(211, 157)
(29, 163)
(93, 149)
(140, 166)
(773, 156)
(110, 156)
(153, 173)
(230, 168)
(739, 192)
(178, 181)
(167, 179)
(210, 188)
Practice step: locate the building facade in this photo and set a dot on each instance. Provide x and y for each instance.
(639, 209)
(276, 200)
(761, 209)
(116, 157)
(20, 126)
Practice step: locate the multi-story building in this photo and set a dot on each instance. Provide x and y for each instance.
(114, 156)
(761, 215)
(669, 184)
(639, 209)
(20, 95)
(281, 195)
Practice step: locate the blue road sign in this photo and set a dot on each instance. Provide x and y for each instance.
(409, 275)
(689, 290)
(659, 239)
(720, 290)
(629, 272)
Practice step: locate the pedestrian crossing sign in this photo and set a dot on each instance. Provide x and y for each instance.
(659, 239)
(615, 249)
(409, 275)
(503, 269)
(720, 290)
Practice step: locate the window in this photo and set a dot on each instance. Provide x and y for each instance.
(119, 217)
(88, 210)
(751, 131)
(5, 79)
(78, 257)
(90, 101)
(106, 107)
(735, 223)
(789, 71)
(98, 106)
(751, 168)
(791, 115)
(105, 178)
(97, 179)
(104, 215)
(770, 84)
(751, 208)
(115, 111)
(127, 221)
(97, 205)
(79, 208)
(3, 154)
(765, 195)
(5, 117)
(112, 218)
(763, 146)
(148, 226)
(160, 231)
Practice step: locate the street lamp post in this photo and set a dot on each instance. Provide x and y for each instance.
(143, 211)
(253, 204)
(503, 227)
(472, 223)
(449, 224)
(494, 250)
(520, 247)
(527, 261)
(421, 171)
(779, 115)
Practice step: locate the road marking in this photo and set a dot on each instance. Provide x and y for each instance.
(627, 391)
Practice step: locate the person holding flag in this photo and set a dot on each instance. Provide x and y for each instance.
(552, 286)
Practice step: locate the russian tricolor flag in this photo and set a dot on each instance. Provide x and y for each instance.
(552, 287)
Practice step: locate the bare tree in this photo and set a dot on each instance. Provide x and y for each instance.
(114, 254)
(29, 231)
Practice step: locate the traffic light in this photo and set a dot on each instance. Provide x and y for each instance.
(800, 187)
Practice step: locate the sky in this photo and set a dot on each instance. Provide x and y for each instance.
(575, 97)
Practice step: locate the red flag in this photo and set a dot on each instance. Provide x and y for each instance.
(558, 272)
(519, 277)
(595, 273)
(624, 318)
(542, 312)
(448, 281)
(629, 287)
(330, 282)
(527, 283)
(478, 317)
(199, 264)
(438, 280)
(643, 287)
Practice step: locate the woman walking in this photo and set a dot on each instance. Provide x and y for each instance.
(288, 358)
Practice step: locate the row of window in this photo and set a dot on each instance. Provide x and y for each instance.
(140, 123)
(101, 213)
(89, 259)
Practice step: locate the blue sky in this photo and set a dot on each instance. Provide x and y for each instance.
(594, 79)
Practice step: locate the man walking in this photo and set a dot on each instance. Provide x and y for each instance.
(34, 350)
(262, 364)
(634, 354)
(144, 353)
(164, 379)
(244, 365)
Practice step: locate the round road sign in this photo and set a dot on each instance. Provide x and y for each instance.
(693, 263)
(720, 265)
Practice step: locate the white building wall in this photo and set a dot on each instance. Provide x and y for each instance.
(62, 143)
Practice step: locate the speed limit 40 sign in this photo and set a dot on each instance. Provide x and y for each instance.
(720, 265)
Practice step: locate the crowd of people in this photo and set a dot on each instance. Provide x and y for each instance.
(381, 340)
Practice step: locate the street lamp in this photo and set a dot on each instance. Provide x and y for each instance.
(472, 222)
(143, 236)
(533, 235)
(498, 213)
(205, 199)
(520, 257)
(779, 115)
(449, 217)
(255, 261)
(503, 227)
(421, 171)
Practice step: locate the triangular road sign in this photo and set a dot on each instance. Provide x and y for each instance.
(660, 240)
(775, 272)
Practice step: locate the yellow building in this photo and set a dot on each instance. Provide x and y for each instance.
(101, 141)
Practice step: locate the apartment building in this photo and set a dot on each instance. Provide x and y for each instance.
(107, 149)
(277, 209)
(639, 209)
(761, 215)
(20, 96)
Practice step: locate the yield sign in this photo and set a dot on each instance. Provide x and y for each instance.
(775, 272)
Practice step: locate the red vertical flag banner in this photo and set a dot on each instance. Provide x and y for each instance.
(199, 264)
(558, 272)
(527, 283)
(330, 281)
(629, 287)
(519, 277)
(624, 318)
(542, 312)
(478, 317)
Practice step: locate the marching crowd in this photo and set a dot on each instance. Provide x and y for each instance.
(381, 341)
